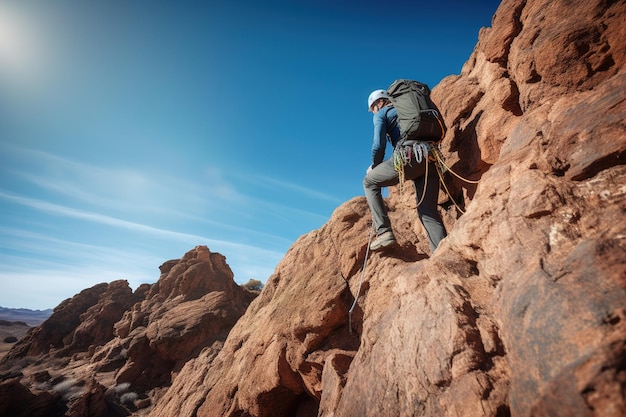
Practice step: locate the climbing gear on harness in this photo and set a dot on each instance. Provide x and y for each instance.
(404, 153)
(383, 240)
(358, 292)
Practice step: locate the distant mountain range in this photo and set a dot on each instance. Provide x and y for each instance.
(30, 317)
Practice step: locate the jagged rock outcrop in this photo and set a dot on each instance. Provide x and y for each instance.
(16, 400)
(522, 309)
(193, 306)
(78, 322)
(108, 351)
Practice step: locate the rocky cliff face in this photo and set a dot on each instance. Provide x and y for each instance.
(108, 351)
(521, 310)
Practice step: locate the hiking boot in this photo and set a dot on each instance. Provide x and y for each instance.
(383, 240)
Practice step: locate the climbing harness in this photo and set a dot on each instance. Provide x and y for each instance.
(403, 154)
(356, 297)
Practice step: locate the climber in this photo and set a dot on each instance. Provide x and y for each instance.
(383, 174)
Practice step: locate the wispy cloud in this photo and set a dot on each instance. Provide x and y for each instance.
(269, 182)
(60, 210)
(209, 198)
(39, 271)
(129, 190)
(33, 260)
(52, 251)
(289, 213)
(120, 188)
(83, 223)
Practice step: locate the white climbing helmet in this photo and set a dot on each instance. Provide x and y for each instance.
(375, 95)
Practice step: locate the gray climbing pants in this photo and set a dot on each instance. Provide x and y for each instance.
(384, 175)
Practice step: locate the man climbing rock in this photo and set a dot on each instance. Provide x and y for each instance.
(383, 174)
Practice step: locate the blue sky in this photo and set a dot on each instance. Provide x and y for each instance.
(132, 131)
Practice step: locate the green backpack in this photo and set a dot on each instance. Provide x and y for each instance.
(418, 117)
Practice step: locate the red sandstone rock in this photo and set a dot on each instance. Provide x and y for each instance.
(78, 322)
(108, 337)
(521, 311)
(193, 305)
(18, 401)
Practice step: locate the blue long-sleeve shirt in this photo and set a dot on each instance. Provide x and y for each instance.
(385, 128)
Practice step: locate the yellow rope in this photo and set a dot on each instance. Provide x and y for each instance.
(443, 131)
(439, 171)
(440, 160)
(440, 165)
(398, 165)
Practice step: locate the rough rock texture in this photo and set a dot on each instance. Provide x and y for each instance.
(522, 309)
(18, 401)
(78, 322)
(108, 351)
(192, 306)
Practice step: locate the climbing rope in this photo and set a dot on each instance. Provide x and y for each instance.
(403, 154)
(442, 167)
(445, 187)
(399, 160)
(356, 297)
(439, 158)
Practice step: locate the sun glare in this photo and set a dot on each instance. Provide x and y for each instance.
(20, 56)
